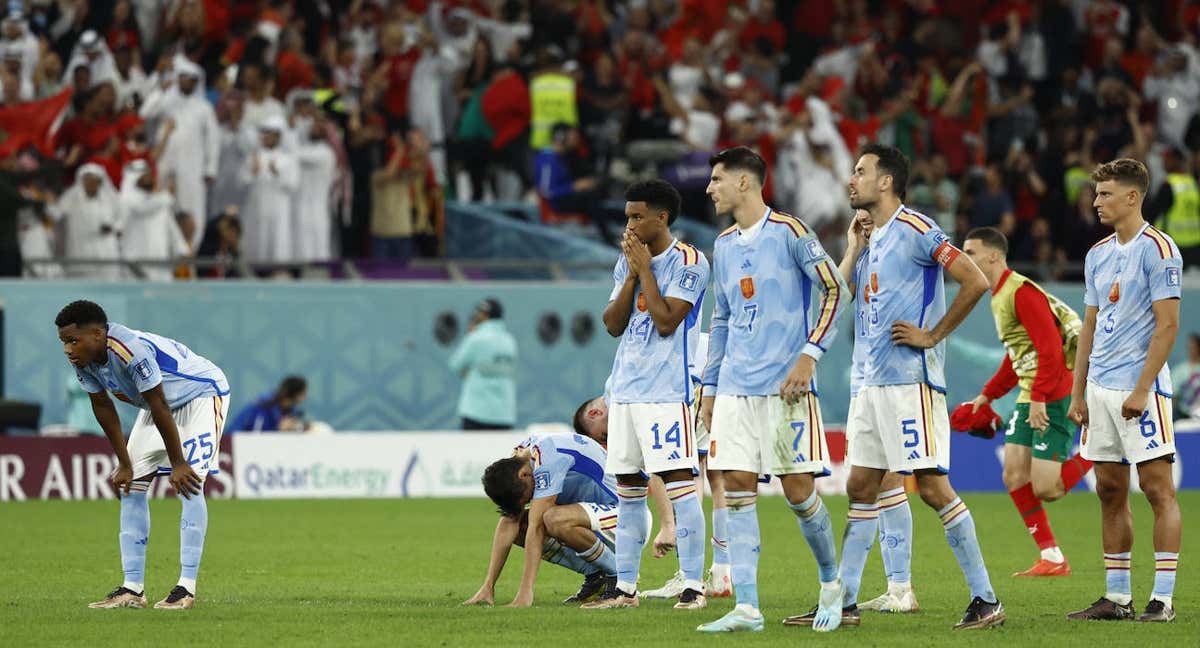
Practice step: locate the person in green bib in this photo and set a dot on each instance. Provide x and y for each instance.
(1040, 334)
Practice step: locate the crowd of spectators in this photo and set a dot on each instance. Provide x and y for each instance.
(294, 131)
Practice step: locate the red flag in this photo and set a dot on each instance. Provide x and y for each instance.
(33, 122)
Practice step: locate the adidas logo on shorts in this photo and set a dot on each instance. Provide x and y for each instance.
(1152, 445)
(674, 455)
(914, 455)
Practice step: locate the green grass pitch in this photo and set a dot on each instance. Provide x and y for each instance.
(393, 572)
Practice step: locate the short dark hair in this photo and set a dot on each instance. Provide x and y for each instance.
(1125, 171)
(81, 313)
(292, 386)
(741, 158)
(891, 162)
(501, 484)
(658, 195)
(989, 236)
(577, 421)
(491, 307)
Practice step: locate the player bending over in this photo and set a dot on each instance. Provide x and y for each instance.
(779, 297)
(570, 517)
(1040, 334)
(1122, 392)
(654, 307)
(183, 400)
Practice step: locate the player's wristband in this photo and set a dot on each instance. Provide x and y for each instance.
(812, 350)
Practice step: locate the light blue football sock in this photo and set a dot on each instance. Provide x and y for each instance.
(1165, 564)
(559, 554)
(960, 533)
(720, 536)
(818, 532)
(192, 527)
(601, 558)
(895, 529)
(135, 534)
(856, 546)
(633, 526)
(689, 531)
(743, 546)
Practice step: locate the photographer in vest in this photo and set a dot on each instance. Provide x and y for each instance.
(1040, 334)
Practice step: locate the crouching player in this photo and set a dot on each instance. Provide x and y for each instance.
(571, 516)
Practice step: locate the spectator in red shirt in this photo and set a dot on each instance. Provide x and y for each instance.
(505, 106)
(763, 24)
(397, 70)
(295, 67)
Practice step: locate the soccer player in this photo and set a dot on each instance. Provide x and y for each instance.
(717, 583)
(760, 400)
(183, 399)
(570, 519)
(1040, 334)
(899, 421)
(1122, 392)
(895, 515)
(655, 309)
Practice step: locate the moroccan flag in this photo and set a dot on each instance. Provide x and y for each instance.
(32, 123)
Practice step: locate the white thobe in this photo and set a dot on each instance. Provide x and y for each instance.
(313, 220)
(151, 233)
(192, 150)
(85, 220)
(267, 217)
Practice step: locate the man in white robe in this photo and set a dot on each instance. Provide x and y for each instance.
(93, 52)
(313, 219)
(90, 214)
(18, 38)
(151, 232)
(272, 177)
(193, 148)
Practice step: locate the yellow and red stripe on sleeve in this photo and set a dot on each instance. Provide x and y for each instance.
(690, 254)
(829, 305)
(120, 350)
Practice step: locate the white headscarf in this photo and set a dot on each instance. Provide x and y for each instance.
(103, 69)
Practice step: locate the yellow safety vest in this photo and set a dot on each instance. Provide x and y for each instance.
(1182, 220)
(552, 100)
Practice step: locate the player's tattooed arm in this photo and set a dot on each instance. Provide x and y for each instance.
(183, 478)
(1078, 412)
(110, 422)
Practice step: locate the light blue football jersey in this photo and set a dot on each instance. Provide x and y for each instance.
(858, 359)
(648, 367)
(139, 361)
(902, 281)
(766, 312)
(697, 359)
(1122, 281)
(570, 467)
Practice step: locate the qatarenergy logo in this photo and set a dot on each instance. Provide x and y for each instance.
(315, 479)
